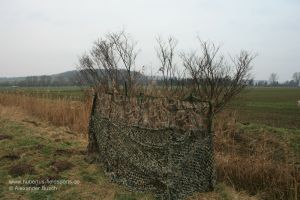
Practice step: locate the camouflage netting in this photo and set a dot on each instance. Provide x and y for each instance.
(152, 144)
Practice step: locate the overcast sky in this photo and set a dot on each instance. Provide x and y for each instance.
(47, 36)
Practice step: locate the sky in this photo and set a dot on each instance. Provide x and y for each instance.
(47, 37)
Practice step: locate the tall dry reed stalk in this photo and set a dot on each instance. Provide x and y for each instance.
(257, 162)
(60, 112)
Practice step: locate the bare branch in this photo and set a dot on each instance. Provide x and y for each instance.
(215, 81)
(109, 55)
(166, 54)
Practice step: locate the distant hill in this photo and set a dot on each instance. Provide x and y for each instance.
(61, 79)
(68, 78)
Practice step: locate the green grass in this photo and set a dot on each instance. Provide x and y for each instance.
(124, 197)
(270, 106)
(292, 136)
(41, 146)
(221, 189)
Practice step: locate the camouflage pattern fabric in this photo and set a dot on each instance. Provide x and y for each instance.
(172, 161)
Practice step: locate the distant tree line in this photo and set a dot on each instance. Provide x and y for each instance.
(40, 81)
(273, 81)
(55, 81)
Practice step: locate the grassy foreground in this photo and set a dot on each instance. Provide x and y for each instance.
(32, 151)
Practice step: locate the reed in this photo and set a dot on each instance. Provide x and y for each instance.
(60, 112)
(259, 162)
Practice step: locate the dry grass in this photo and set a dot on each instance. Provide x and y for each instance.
(60, 112)
(222, 192)
(259, 162)
(156, 113)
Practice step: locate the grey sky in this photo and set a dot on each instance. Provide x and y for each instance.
(46, 36)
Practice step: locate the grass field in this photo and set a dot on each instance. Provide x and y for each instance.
(32, 150)
(270, 106)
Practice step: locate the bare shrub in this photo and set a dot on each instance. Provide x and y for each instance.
(214, 80)
(166, 53)
(110, 65)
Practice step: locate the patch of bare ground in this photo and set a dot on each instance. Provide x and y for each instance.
(21, 168)
(11, 156)
(61, 165)
(69, 152)
(5, 137)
